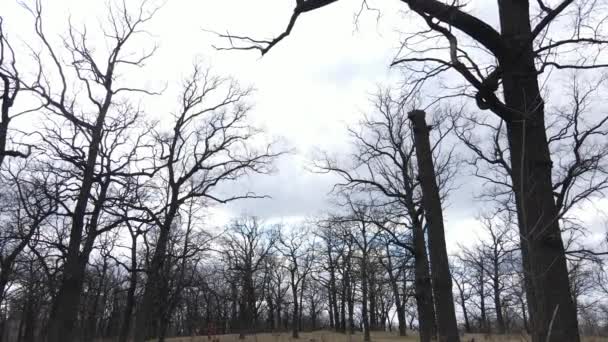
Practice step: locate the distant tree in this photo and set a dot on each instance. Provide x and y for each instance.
(531, 41)
(211, 143)
(247, 246)
(384, 163)
(10, 87)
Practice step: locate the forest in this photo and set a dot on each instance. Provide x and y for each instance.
(114, 167)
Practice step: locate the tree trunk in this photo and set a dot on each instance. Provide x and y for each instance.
(465, 313)
(343, 305)
(400, 308)
(440, 270)
(364, 299)
(334, 294)
(234, 307)
(150, 303)
(29, 322)
(313, 313)
(130, 302)
(525, 317)
(270, 313)
(6, 104)
(373, 305)
(401, 321)
(64, 311)
(351, 306)
(552, 312)
(3, 282)
(423, 287)
(500, 321)
(483, 320)
(295, 321)
(300, 306)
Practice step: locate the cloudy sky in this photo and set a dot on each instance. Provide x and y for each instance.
(308, 88)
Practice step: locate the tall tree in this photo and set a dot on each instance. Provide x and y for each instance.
(433, 212)
(210, 143)
(10, 87)
(248, 245)
(526, 45)
(299, 258)
(383, 163)
(89, 118)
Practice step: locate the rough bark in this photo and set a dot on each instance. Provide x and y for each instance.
(423, 288)
(447, 328)
(552, 312)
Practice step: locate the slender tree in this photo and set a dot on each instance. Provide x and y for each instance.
(211, 143)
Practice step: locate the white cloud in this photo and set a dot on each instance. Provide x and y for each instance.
(308, 88)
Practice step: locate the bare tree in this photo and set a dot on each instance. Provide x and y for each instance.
(512, 59)
(211, 143)
(575, 140)
(384, 163)
(135, 231)
(87, 116)
(247, 246)
(10, 88)
(26, 208)
(299, 259)
(433, 212)
(358, 223)
(461, 278)
(329, 261)
(395, 266)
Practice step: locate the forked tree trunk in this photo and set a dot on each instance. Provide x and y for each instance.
(270, 313)
(552, 312)
(399, 305)
(447, 328)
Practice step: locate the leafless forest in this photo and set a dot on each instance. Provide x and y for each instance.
(104, 226)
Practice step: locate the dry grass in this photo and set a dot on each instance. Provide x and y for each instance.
(327, 336)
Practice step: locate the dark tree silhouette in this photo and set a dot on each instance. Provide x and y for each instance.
(88, 116)
(211, 143)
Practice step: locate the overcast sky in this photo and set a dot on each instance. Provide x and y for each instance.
(308, 88)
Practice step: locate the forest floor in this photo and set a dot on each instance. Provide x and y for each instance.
(328, 336)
